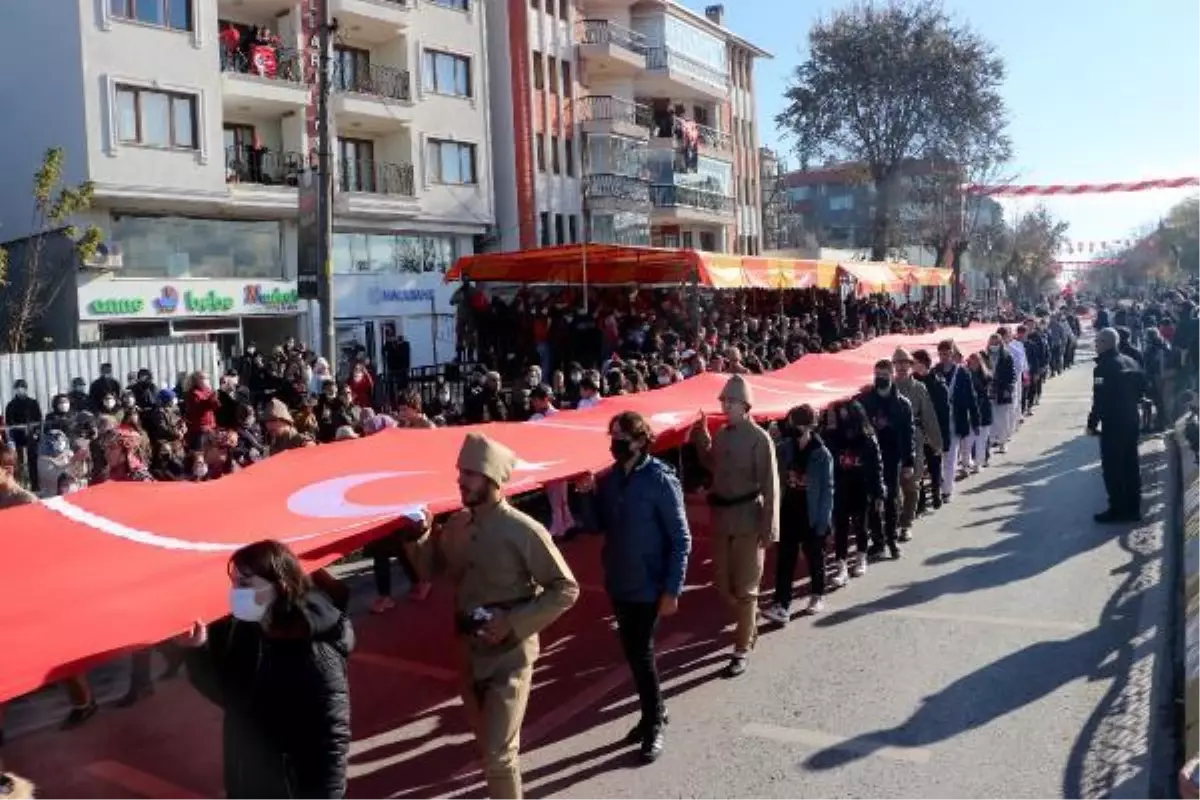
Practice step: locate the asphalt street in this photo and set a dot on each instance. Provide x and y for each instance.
(1015, 650)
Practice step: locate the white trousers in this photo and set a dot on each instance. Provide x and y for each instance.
(974, 448)
(1003, 419)
(950, 464)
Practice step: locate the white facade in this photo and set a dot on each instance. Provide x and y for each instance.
(169, 118)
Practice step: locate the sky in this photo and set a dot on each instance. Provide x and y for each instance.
(1096, 92)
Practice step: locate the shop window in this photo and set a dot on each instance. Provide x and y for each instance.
(356, 253)
(184, 247)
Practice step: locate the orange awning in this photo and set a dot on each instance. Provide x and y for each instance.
(923, 276)
(609, 265)
(873, 276)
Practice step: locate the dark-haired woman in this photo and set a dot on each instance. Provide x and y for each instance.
(278, 669)
(860, 492)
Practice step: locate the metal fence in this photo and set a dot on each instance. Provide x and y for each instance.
(50, 372)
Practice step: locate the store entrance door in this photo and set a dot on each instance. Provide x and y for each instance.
(354, 337)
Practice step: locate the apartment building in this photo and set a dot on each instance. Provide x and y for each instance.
(623, 121)
(195, 119)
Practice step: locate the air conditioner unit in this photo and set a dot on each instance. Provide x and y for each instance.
(107, 256)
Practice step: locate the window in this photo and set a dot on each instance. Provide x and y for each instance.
(185, 247)
(563, 8)
(351, 69)
(457, 5)
(566, 76)
(555, 164)
(406, 253)
(156, 119)
(573, 228)
(535, 5)
(700, 115)
(173, 14)
(687, 240)
(841, 202)
(238, 141)
(540, 144)
(708, 241)
(569, 155)
(451, 162)
(447, 73)
(560, 235)
(552, 73)
(544, 220)
(539, 77)
(357, 159)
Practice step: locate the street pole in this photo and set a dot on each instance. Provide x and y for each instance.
(325, 198)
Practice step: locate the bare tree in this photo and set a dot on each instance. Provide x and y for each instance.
(886, 84)
(1024, 252)
(34, 277)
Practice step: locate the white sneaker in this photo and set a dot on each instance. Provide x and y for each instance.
(1003, 448)
(842, 577)
(859, 568)
(974, 469)
(777, 614)
(816, 604)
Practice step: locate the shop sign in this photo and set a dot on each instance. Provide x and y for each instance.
(275, 299)
(116, 306)
(379, 296)
(208, 303)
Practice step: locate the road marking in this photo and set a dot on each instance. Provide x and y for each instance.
(1012, 622)
(405, 665)
(136, 782)
(859, 745)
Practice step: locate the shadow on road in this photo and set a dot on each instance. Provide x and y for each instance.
(1120, 648)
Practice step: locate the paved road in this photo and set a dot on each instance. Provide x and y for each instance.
(1014, 651)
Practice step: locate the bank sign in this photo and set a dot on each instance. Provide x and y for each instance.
(147, 299)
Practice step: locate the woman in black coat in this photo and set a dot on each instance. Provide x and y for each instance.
(278, 669)
(1004, 391)
(859, 490)
(978, 451)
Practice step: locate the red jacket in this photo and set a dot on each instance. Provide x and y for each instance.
(363, 390)
(201, 406)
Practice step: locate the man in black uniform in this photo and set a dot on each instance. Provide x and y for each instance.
(24, 416)
(1116, 389)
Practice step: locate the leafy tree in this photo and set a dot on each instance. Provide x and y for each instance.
(886, 84)
(1166, 253)
(1023, 253)
(33, 276)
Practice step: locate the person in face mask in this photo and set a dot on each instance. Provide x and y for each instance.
(290, 737)
(640, 512)
(144, 391)
(60, 417)
(24, 416)
(890, 414)
(927, 436)
(105, 384)
(745, 509)
(79, 396)
(1005, 383)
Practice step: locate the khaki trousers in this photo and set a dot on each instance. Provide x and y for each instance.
(910, 489)
(495, 698)
(738, 567)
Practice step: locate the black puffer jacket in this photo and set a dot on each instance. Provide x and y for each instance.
(286, 701)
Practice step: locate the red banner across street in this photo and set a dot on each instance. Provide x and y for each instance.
(126, 565)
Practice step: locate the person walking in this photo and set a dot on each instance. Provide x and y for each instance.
(641, 514)
(745, 504)
(940, 398)
(805, 513)
(510, 582)
(964, 413)
(890, 414)
(859, 488)
(1004, 392)
(1016, 349)
(1116, 390)
(927, 435)
(977, 452)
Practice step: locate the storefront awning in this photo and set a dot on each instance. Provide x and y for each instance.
(873, 276)
(613, 265)
(924, 276)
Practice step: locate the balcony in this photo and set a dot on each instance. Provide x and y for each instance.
(712, 142)
(687, 204)
(606, 191)
(377, 177)
(371, 22)
(375, 99)
(603, 113)
(670, 73)
(265, 78)
(261, 178)
(611, 49)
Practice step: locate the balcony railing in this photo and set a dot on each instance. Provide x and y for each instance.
(602, 31)
(709, 137)
(265, 61)
(262, 166)
(376, 177)
(666, 58)
(606, 108)
(666, 195)
(374, 79)
(620, 190)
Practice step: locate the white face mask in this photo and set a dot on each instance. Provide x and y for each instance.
(200, 470)
(62, 408)
(244, 605)
(444, 397)
(110, 403)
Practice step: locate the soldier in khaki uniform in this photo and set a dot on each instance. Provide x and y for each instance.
(510, 582)
(926, 433)
(745, 509)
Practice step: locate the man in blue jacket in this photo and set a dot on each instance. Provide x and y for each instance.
(641, 514)
(964, 412)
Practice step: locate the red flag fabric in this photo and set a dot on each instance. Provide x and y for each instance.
(125, 565)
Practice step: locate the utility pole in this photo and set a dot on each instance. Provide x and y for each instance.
(325, 199)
